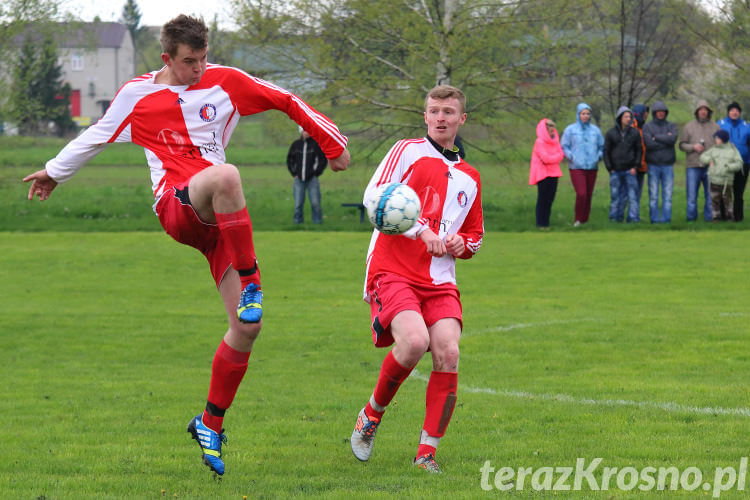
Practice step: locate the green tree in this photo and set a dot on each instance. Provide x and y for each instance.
(131, 17)
(38, 95)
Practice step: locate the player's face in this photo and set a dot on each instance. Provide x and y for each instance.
(188, 65)
(443, 117)
(734, 113)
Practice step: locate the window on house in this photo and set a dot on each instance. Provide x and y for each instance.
(76, 62)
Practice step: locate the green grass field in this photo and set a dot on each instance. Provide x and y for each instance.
(627, 343)
(630, 346)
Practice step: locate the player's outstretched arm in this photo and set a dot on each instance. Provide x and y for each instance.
(435, 246)
(340, 163)
(41, 184)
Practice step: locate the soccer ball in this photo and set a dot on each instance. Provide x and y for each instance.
(394, 208)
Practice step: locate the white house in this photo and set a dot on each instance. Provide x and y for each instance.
(96, 60)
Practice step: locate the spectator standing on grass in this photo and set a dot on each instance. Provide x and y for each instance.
(660, 136)
(723, 161)
(640, 115)
(306, 162)
(582, 143)
(545, 169)
(183, 115)
(697, 136)
(739, 135)
(622, 156)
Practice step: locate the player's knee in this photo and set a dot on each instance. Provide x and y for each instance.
(249, 331)
(416, 345)
(446, 356)
(227, 177)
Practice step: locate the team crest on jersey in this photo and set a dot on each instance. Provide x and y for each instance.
(208, 112)
(462, 199)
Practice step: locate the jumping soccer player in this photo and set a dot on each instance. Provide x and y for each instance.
(183, 115)
(410, 280)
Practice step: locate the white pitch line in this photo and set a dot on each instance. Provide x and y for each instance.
(517, 326)
(564, 398)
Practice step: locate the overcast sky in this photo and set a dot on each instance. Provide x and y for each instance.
(153, 12)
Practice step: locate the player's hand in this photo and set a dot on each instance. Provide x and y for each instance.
(435, 245)
(340, 163)
(41, 184)
(455, 245)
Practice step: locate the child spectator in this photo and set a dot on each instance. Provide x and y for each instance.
(723, 161)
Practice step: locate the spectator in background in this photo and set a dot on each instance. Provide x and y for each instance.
(739, 135)
(640, 115)
(306, 162)
(697, 136)
(622, 156)
(582, 143)
(660, 136)
(545, 169)
(723, 161)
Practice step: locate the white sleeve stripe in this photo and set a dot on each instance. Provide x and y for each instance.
(325, 124)
(392, 161)
(319, 119)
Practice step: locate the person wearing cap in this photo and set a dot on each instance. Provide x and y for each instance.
(622, 156)
(660, 136)
(723, 162)
(696, 137)
(306, 161)
(739, 135)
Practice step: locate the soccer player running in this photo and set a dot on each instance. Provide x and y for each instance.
(410, 280)
(184, 115)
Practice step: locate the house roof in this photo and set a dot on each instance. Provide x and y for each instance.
(103, 35)
(82, 35)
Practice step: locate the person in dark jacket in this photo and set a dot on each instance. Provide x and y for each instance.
(660, 136)
(739, 135)
(306, 162)
(622, 156)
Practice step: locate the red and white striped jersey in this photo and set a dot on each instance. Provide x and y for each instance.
(450, 193)
(184, 128)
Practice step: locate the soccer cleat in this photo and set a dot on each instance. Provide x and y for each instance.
(363, 436)
(250, 308)
(428, 463)
(210, 443)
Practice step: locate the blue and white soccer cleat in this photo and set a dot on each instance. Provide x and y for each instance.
(428, 463)
(250, 308)
(210, 443)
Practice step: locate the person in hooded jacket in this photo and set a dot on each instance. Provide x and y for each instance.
(697, 136)
(545, 169)
(582, 143)
(640, 115)
(306, 161)
(660, 136)
(622, 156)
(739, 135)
(723, 162)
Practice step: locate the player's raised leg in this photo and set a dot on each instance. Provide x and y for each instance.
(217, 197)
(411, 340)
(227, 371)
(440, 399)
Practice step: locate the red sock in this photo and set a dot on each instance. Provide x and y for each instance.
(392, 374)
(440, 402)
(227, 370)
(238, 230)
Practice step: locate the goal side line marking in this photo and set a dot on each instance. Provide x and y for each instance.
(564, 398)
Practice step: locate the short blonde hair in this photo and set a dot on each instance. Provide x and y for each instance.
(446, 92)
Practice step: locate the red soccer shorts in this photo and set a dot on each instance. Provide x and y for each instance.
(392, 294)
(179, 220)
